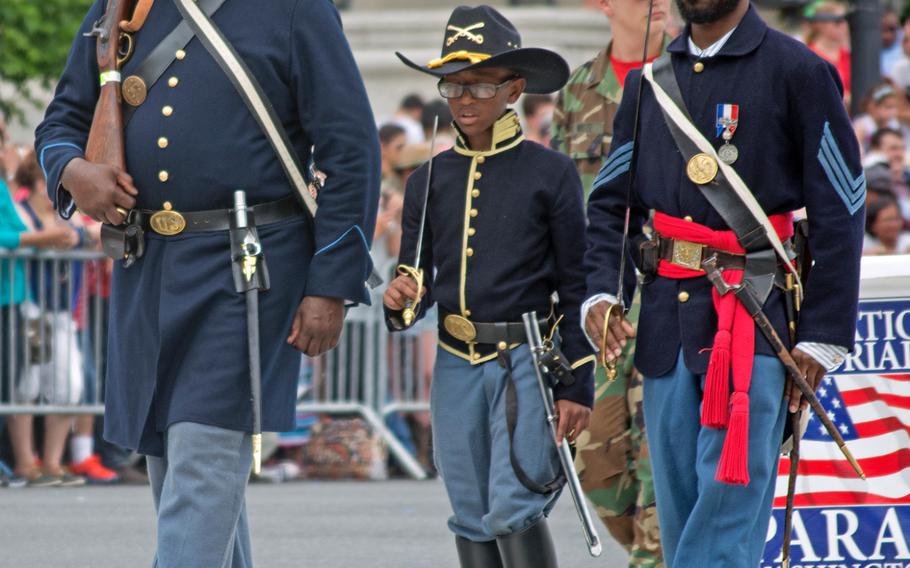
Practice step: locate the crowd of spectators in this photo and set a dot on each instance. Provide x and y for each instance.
(46, 354)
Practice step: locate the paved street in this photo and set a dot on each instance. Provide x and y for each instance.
(394, 524)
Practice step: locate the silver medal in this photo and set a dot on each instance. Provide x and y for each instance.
(728, 153)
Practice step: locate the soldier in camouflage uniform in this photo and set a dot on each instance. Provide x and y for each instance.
(612, 455)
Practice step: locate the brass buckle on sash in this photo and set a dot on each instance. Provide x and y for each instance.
(167, 222)
(460, 328)
(687, 254)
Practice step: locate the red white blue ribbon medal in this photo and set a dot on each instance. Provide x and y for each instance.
(727, 123)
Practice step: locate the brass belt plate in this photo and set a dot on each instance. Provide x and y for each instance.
(134, 90)
(687, 254)
(167, 222)
(460, 328)
(702, 169)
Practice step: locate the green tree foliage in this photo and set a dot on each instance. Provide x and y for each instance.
(35, 38)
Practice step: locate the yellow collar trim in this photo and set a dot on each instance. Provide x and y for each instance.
(506, 135)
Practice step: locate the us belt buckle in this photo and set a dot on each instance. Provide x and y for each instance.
(167, 222)
(460, 328)
(688, 254)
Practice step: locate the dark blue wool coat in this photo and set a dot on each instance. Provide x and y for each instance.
(177, 348)
(797, 149)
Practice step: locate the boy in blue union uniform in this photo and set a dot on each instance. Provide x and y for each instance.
(504, 231)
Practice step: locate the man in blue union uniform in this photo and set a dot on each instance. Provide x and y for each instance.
(766, 115)
(178, 382)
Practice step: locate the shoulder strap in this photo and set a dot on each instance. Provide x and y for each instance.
(251, 93)
(156, 63)
(728, 194)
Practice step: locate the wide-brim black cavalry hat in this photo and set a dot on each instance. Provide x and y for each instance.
(478, 37)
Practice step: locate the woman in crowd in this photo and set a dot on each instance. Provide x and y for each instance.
(59, 380)
(885, 232)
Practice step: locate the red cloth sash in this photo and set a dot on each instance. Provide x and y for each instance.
(734, 343)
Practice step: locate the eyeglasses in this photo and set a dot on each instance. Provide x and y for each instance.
(480, 91)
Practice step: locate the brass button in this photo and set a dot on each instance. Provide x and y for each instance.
(472, 231)
(473, 212)
(502, 345)
(683, 297)
(162, 142)
(167, 110)
(172, 82)
(163, 176)
(475, 193)
(688, 218)
(467, 313)
(477, 175)
(481, 159)
(180, 55)
(469, 251)
(698, 67)
(476, 356)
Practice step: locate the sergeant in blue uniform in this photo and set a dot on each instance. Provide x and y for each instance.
(795, 149)
(504, 232)
(178, 384)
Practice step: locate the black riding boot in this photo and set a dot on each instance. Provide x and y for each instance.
(477, 554)
(532, 548)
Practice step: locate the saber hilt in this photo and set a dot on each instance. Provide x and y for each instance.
(410, 309)
(745, 295)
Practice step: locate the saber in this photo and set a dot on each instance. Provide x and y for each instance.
(610, 366)
(753, 306)
(249, 277)
(532, 329)
(415, 272)
(632, 168)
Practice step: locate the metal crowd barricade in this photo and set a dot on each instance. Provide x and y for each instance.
(54, 342)
(54, 328)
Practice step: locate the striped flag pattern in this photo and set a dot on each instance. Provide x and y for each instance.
(872, 413)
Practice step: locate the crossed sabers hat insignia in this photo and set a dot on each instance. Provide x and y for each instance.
(466, 32)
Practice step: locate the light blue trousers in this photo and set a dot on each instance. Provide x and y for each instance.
(705, 523)
(471, 445)
(199, 486)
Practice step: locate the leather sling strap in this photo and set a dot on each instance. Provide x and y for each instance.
(156, 63)
(253, 95)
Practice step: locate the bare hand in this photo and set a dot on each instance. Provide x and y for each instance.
(99, 189)
(814, 373)
(618, 334)
(401, 291)
(573, 420)
(60, 237)
(317, 325)
(55, 236)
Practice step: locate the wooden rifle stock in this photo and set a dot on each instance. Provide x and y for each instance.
(105, 140)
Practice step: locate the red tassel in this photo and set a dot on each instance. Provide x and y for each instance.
(715, 407)
(734, 459)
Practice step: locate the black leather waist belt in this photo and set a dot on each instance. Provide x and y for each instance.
(690, 255)
(169, 222)
(463, 329)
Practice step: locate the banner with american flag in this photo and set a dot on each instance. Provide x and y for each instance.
(842, 521)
